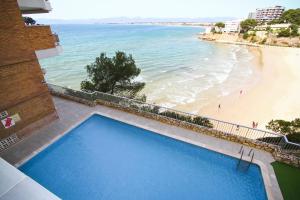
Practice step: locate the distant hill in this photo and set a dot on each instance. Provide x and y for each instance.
(126, 20)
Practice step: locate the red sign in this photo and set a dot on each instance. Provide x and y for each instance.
(8, 122)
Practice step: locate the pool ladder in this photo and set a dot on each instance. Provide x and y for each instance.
(243, 165)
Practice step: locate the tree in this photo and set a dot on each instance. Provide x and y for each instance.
(289, 128)
(220, 26)
(248, 24)
(285, 127)
(294, 30)
(112, 75)
(284, 32)
(274, 21)
(29, 21)
(291, 16)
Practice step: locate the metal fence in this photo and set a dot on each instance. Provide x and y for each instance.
(258, 135)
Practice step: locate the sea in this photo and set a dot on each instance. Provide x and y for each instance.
(178, 68)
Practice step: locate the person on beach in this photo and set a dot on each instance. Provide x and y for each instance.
(256, 124)
(253, 124)
(241, 92)
(219, 107)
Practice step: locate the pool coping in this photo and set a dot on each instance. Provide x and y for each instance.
(267, 173)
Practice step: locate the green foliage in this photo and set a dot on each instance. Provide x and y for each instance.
(202, 122)
(274, 21)
(268, 29)
(29, 21)
(284, 32)
(263, 41)
(213, 30)
(294, 137)
(291, 16)
(294, 30)
(195, 120)
(285, 127)
(220, 25)
(245, 36)
(248, 24)
(113, 74)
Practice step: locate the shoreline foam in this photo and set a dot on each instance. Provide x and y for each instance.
(275, 95)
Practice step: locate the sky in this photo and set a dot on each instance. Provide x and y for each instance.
(96, 9)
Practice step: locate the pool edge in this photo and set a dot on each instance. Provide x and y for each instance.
(266, 172)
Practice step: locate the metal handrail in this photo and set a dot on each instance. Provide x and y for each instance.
(258, 135)
(241, 158)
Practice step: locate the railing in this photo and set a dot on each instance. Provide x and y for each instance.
(261, 136)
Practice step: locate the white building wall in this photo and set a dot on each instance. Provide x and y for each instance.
(232, 26)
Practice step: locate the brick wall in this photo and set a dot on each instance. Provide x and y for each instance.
(21, 80)
(14, 43)
(41, 37)
(29, 111)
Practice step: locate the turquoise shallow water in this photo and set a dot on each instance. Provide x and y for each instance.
(177, 67)
(106, 159)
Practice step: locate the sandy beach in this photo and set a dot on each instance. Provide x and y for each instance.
(274, 95)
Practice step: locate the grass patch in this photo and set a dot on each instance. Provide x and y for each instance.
(289, 180)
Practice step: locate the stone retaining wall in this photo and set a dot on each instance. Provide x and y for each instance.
(72, 98)
(273, 149)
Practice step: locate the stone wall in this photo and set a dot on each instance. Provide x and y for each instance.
(273, 149)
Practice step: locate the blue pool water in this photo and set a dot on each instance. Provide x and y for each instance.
(106, 159)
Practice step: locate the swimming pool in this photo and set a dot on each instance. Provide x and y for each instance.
(106, 159)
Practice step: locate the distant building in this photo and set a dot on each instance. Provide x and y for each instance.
(208, 30)
(252, 15)
(232, 26)
(267, 14)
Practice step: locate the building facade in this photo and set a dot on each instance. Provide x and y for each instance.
(24, 96)
(232, 26)
(264, 15)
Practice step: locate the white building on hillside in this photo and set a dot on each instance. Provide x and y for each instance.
(232, 26)
(267, 14)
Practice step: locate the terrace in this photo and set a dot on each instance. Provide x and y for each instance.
(72, 113)
(34, 6)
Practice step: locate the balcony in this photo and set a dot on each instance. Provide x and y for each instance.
(34, 6)
(43, 41)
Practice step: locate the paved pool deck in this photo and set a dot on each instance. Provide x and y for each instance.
(72, 113)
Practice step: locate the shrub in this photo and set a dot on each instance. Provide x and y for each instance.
(285, 127)
(202, 122)
(294, 30)
(284, 32)
(263, 41)
(248, 24)
(245, 36)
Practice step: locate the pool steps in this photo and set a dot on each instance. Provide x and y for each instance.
(243, 164)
